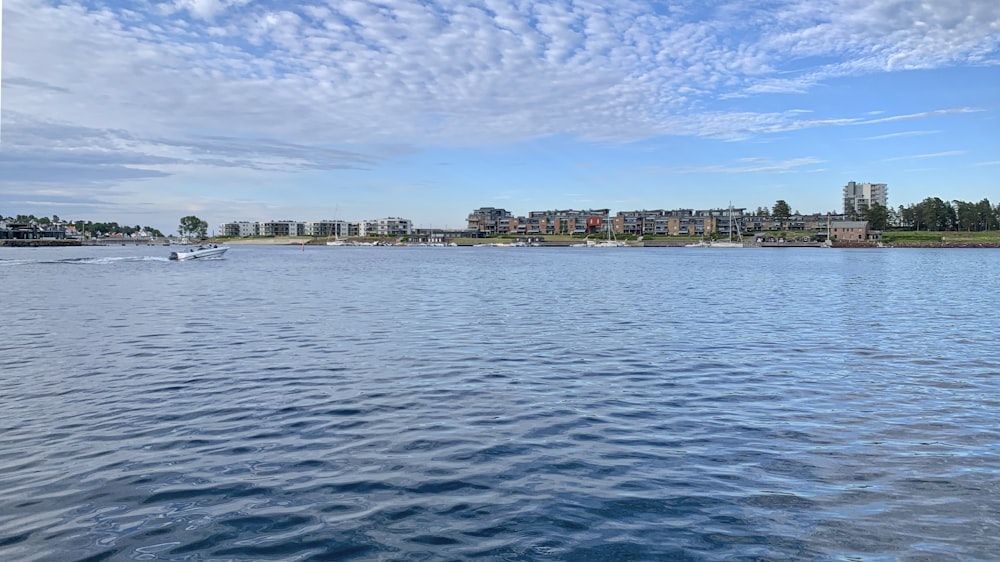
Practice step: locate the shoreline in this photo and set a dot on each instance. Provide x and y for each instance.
(291, 241)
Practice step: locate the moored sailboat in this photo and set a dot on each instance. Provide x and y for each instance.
(731, 243)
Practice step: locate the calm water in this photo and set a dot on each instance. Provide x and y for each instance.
(500, 404)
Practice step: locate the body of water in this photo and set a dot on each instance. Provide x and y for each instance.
(500, 404)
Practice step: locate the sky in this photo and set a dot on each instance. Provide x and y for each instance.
(144, 112)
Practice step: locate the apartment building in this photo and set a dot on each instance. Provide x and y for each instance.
(240, 229)
(679, 222)
(327, 228)
(490, 221)
(860, 196)
(389, 226)
(640, 223)
(567, 221)
(282, 228)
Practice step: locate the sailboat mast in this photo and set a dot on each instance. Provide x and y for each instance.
(730, 221)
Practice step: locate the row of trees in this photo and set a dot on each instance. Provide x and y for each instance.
(780, 210)
(934, 213)
(98, 228)
(189, 226)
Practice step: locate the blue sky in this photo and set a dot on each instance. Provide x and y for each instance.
(144, 112)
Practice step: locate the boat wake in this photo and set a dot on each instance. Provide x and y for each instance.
(83, 261)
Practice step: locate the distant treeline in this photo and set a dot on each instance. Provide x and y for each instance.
(933, 213)
(95, 228)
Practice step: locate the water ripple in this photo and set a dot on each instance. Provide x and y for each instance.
(391, 404)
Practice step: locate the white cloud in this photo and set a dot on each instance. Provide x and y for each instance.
(752, 165)
(901, 134)
(445, 72)
(920, 115)
(886, 34)
(944, 154)
(205, 9)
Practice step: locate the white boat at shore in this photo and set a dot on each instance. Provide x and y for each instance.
(201, 252)
(725, 244)
(610, 242)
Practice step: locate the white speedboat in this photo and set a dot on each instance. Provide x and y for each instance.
(205, 251)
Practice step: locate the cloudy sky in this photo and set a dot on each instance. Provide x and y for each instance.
(142, 112)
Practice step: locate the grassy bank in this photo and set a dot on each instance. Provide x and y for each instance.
(270, 240)
(939, 238)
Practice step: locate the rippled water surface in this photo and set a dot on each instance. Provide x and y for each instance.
(500, 404)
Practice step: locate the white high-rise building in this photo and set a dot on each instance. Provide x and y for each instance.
(859, 196)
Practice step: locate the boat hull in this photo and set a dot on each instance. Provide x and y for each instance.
(199, 254)
(715, 244)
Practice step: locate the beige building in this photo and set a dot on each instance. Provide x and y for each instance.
(853, 231)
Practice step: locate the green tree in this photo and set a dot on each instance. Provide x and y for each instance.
(908, 217)
(893, 217)
(934, 214)
(192, 226)
(986, 217)
(966, 215)
(877, 216)
(781, 209)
